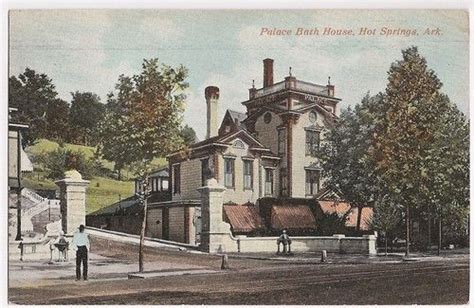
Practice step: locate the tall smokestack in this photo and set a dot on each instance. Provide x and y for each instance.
(267, 72)
(212, 102)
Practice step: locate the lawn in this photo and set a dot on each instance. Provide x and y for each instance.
(44, 146)
(101, 191)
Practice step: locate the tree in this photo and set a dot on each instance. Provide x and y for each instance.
(86, 113)
(57, 120)
(405, 135)
(448, 170)
(345, 155)
(387, 216)
(143, 121)
(188, 134)
(31, 93)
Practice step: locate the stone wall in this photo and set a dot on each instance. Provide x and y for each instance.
(337, 243)
(216, 236)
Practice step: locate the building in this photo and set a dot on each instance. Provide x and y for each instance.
(18, 162)
(266, 159)
(268, 153)
(127, 215)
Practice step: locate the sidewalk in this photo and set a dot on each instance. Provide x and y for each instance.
(336, 258)
(39, 273)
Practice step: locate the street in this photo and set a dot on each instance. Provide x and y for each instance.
(439, 282)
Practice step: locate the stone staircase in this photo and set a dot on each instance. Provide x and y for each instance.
(37, 212)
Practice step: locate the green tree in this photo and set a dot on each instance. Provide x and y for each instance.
(448, 170)
(31, 93)
(86, 113)
(387, 217)
(188, 134)
(405, 135)
(345, 155)
(57, 120)
(146, 116)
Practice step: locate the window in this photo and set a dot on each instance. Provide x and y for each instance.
(283, 182)
(229, 172)
(312, 142)
(238, 144)
(204, 171)
(268, 182)
(164, 185)
(312, 182)
(207, 170)
(267, 118)
(248, 174)
(281, 141)
(176, 179)
(154, 184)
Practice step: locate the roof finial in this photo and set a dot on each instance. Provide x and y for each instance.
(253, 83)
(290, 71)
(329, 80)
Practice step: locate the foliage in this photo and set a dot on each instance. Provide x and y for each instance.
(86, 113)
(406, 147)
(57, 120)
(188, 134)
(31, 93)
(329, 224)
(57, 162)
(143, 117)
(345, 155)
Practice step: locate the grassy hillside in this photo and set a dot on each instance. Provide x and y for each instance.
(100, 192)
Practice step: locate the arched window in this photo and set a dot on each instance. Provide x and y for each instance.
(238, 144)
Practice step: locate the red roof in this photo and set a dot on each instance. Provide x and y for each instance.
(243, 218)
(341, 208)
(331, 207)
(292, 217)
(365, 220)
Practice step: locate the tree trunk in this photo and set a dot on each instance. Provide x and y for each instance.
(359, 218)
(386, 243)
(429, 231)
(119, 174)
(407, 244)
(142, 233)
(439, 235)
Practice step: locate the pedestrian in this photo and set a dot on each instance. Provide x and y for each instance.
(80, 243)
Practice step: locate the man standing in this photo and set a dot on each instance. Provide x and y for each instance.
(81, 244)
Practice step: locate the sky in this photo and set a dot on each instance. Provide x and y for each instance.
(86, 50)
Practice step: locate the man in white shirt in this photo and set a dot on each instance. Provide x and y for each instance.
(80, 243)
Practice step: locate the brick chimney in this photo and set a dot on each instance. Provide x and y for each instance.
(267, 72)
(212, 102)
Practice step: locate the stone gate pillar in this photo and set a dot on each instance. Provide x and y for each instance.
(72, 195)
(214, 230)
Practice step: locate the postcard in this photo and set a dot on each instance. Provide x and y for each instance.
(238, 157)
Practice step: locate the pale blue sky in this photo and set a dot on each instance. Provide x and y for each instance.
(86, 50)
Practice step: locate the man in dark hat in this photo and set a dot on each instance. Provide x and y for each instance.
(81, 244)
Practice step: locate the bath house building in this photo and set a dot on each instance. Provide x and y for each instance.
(267, 160)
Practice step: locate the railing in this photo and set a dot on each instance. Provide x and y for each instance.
(31, 195)
(291, 84)
(310, 87)
(271, 89)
